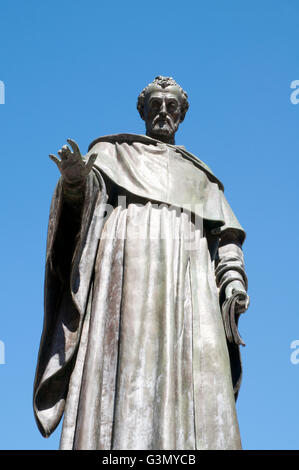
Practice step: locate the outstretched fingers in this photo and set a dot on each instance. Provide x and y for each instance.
(74, 146)
(64, 153)
(90, 162)
(55, 159)
(71, 164)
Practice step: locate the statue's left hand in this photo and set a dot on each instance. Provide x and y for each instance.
(236, 302)
(234, 287)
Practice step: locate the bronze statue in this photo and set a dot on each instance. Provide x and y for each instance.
(144, 285)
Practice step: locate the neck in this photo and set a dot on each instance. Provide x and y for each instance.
(163, 138)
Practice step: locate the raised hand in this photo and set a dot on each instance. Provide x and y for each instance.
(71, 165)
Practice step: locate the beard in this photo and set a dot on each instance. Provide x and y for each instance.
(163, 125)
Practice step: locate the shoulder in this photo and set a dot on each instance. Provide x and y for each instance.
(122, 138)
(144, 139)
(199, 164)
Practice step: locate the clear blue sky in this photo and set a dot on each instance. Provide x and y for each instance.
(74, 69)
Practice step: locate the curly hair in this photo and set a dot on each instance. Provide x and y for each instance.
(163, 82)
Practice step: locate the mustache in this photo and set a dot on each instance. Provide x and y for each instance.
(167, 118)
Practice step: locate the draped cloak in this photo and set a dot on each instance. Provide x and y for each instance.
(133, 350)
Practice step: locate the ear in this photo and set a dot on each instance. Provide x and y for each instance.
(141, 111)
(182, 117)
(184, 109)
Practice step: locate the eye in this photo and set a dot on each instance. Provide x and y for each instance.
(155, 104)
(172, 106)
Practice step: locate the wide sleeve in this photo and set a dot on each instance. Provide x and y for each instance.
(229, 267)
(229, 263)
(73, 233)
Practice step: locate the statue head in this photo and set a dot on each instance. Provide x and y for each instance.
(162, 105)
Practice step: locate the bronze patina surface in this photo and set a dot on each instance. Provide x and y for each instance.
(144, 285)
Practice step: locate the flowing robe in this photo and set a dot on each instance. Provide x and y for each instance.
(133, 349)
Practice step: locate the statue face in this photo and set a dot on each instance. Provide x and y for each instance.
(162, 112)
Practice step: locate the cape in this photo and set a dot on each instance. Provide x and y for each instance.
(141, 165)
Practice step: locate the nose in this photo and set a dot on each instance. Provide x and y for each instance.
(163, 110)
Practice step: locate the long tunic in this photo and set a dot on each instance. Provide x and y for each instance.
(133, 349)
